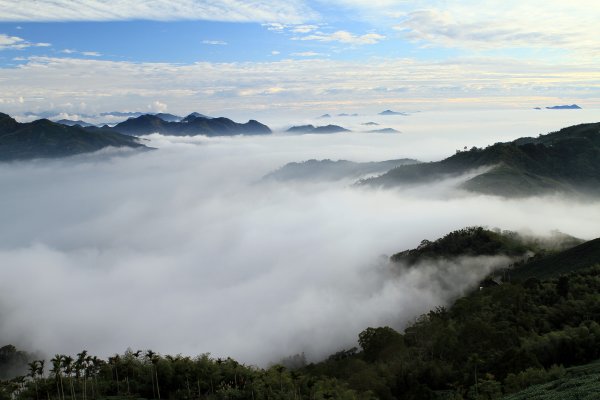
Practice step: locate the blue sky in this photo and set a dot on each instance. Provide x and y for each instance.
(60, 54)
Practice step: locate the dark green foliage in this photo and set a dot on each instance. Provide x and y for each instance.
(474, 241)
(497, 340)
(581, 383)
(46, 139)
(563, 161)
(579, 257)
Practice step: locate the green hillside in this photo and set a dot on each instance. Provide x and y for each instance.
(578, 383)
(563, 161)
(552, 265)
(46, 139)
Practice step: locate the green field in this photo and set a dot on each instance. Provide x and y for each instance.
(580, 383)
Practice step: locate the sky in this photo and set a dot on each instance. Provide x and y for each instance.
(246, 58)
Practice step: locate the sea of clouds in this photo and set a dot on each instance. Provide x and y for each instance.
(185, 250)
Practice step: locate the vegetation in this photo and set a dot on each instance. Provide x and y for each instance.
(193, 124)
(563, 161)
(517, 339)
(44, 139)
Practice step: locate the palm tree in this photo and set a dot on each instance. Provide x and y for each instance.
(113, 361)
(153, 358)
(33, 369)
(56, 370)
(80, 367)
(68, 368)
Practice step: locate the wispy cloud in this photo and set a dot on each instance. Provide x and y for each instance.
(291, 11)
(309, 84)
(307, 54)
(344, 37)
(16, 43)
(215, 42)
(550, 24)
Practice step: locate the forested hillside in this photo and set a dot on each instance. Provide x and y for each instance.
(498, 340)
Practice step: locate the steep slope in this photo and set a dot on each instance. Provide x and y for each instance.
(547, 266)
(190, 126)
(46, 139)
(563, 161)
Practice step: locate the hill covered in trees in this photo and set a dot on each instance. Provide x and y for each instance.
(563, 161)
(193, 124)
(515, 339)
(47, 139)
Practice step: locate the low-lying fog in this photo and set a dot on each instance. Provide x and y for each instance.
(183, 250)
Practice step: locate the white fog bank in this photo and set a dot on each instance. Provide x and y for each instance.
(183, 250)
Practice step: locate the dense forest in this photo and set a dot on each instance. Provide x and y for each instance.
(496, 341)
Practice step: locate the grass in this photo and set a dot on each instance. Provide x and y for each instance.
(580, 383)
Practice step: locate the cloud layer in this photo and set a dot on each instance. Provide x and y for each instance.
(181, 250)
(163, 10)
(313, 85)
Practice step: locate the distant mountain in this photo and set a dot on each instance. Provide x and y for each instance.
(193, 116)
(565, 107)
(385, 130)
(317, 129)
(70, 122)
(47, 139)
(370, 124)
(347, 115)
(328, 170)
(147, 124)
(390, 112)
(169, 117)
(325, 116)
(563, 161)
(127, 114)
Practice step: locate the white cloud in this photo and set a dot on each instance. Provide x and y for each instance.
(307, 54)
(215, 42)
(157, 106)
(304, 28)
(292, 11)
(345, 37)
(16, 43)
(309, 84)
(85, 53)
(275, 52)
(184, 237)
(486, 25)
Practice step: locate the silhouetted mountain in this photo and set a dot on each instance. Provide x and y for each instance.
(328, 170)
(565, 107)
(70, 122)
(390, 112)
(169, 117)
(193, 116)
(329, 129)
(317, 129)
(147, 124)
(47, 139)
(385, 130)
(563, 161)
